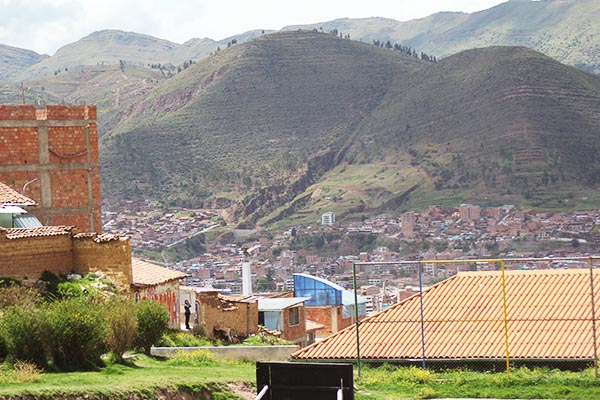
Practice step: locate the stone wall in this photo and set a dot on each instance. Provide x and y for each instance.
(56, 151)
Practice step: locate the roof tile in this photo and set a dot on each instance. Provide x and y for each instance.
(37, 231)
(148, 274)
(11, 196)
(549, 315)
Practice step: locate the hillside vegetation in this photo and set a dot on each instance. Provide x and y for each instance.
(281, 125)
(249, 117)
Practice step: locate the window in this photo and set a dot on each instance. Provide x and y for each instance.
(294, 316)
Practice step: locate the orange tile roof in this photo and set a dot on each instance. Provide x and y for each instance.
(549, 316)
(148, 274)
(37, 231)
(11, 196)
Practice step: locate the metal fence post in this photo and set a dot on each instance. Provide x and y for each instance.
(356, 318)
(593, 317)
(422, 314)
(505, 316)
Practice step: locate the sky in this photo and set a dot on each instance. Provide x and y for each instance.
(46, 25)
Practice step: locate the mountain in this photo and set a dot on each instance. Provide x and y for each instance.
(248, 116)
(295, 122)
(566, 30)
(13, 59)
(109, 47)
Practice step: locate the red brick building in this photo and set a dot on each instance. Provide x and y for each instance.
(51, 156)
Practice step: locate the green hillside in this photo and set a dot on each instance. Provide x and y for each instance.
(249, 117)
(295, 122)
(498, 123)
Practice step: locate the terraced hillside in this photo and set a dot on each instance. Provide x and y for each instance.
(277, 125)
(248, 117)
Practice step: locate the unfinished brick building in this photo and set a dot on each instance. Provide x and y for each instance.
(51, 156)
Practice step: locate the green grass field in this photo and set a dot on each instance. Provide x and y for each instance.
(200, 372)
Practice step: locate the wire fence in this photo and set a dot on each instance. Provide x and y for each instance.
(492, 314)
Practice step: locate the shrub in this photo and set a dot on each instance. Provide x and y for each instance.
(12, 293)
(24, 331)
(153, 322)
(121, 327)
(26, 371)
(192, 358)
(185, 339)
(76, 333)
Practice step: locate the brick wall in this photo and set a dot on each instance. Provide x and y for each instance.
(59, 146)
(295, 333)
(328, 316)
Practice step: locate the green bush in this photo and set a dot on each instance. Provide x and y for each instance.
(153, 322)
(185, 339)
(24, 331)
(70, 289)
(121, 327)
(76, 333)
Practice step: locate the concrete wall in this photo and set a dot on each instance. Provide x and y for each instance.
(58, 146)
(251, 353)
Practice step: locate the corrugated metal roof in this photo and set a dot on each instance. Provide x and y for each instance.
(26, 221)
(12, 197)
(279, 304)
(549, 315)
(148, 274)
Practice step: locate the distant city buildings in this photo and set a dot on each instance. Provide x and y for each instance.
(328, 218)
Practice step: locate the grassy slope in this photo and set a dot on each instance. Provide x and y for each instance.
(495, 125)
(251, 110)
(145, 375)
(118, 381)
(495, 122)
